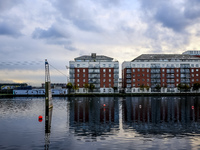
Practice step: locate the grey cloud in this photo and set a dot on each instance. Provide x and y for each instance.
(7, 4)
(171, 17)
(11, 28)
(82, 17)
(109, 3)
(176, 17)
(192, 9)
(51, 33)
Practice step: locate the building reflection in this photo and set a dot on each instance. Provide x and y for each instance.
(161, 114)
(94, 116)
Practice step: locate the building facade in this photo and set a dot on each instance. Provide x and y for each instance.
(160, 73)
(98, 70)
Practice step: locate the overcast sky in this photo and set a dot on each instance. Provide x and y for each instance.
(60, 30)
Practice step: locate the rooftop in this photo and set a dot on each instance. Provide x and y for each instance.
(162, 57)
(93, 57)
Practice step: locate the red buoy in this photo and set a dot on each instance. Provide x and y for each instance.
(40, 118)
(104, 105)
(192, 107)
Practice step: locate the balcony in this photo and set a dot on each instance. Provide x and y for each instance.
(155, 76)
(93, 71)
(94, 67)
(154, 72)
(128, 81)
(94, 77)
(128, 76)
(170, 76)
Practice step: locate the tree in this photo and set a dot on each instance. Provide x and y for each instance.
(180, 87)
(158, 87)
(69, 87)
(91, 87)
(196, 86)
(147, 88)
(115, 88)
(142, 87)
(86, 86)
(75, 87)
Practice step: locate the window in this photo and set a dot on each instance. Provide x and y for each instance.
(143, 75)
(197, 75)
(142, 65)
(138, 79)
(147, 70)
(109, 75)
(77, 80)
(192, 80)
(109, 65)
(177, 70)
(143, 79)
(78, 65)
(83, 80)
(133, 85)
(109, 80)
(133, 75)
(109, 70)
(147, 75)
(138, 70)
(77, 75)
(78, 70)
(83, 75)
(104, 65)
(163, 70)
(163, 75)
(197, 79)
(104, 70)
(142, 70)
(104, 75)
(147, 80)
(138, 75)
(133, 70)
(192, 75)
(177, 75)
(109, 85)
(197, 65)
(138, 65)
(133, 80)
(177, 80)
(104, 80)
(83, 70)
(192, 70)
(197, 69)
(163, 80)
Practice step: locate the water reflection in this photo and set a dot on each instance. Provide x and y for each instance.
(92, 117)
(158, 115)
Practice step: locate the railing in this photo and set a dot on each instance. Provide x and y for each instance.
(128, 81)
(128, 76)
(128, 71)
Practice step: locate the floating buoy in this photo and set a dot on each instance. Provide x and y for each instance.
(104, 105)
(40, 118)
(192, 107)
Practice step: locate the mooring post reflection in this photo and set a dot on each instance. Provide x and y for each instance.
(48, 128)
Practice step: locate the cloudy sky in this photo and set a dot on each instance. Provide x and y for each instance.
(60, 30)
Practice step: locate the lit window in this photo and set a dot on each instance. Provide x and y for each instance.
(197, 75)
(197, 69)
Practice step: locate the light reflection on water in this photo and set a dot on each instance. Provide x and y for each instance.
(101, 123)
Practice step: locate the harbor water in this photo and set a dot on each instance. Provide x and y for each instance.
(101, 123)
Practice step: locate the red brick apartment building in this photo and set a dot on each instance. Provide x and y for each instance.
(160, 73)
(99, 70)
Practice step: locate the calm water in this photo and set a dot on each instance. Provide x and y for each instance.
(101, 123)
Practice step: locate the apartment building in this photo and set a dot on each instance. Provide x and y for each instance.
(98, 70)
(160, 72)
